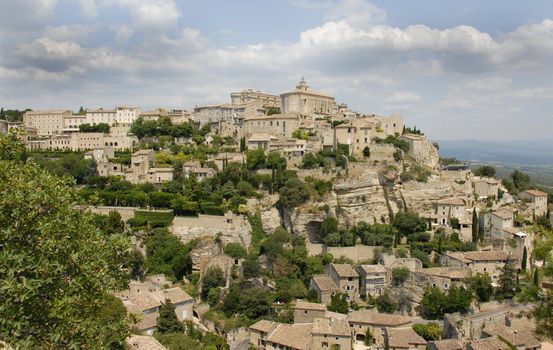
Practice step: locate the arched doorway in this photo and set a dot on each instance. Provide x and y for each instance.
(360, 337)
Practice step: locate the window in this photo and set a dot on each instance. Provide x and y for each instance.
(324, 344)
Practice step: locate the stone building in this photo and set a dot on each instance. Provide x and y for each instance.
(421, 150)
(307, 102)
(356, 134)
(445, 344)
(501, 220)
(346, 279)
(143, 342)
(372, 279)
(486, 187)
(142, 169)
(324, 286)
(322, 334)
(362, 320)
(46, 122)
(279, 125)
(449, 208)
(490, 262)
(145, 300)
(306, 312)
(537, 200)
(404, 339)
(250, 95)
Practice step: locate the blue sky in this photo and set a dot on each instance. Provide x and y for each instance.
(456, 69)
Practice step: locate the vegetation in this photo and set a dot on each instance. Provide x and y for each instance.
(436, 303)
(101, 127)
(485, 171)
(400, 275)
(339, 303)
(167, 322)
(56, 267)
(481, 285)
(508, 282)
(166, 254)
(430, 331)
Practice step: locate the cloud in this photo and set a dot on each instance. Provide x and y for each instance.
(152, 15)
(89, 8)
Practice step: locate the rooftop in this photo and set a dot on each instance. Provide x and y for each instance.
(403, 338)
(376, 318)
(297, 336)
(489, 255)
(176, 295)
(503, 213)
(517, 337)
(535, 193)
(372, 268)
(263, 326)
(446, 344)
(324, 283)
(304, 305)
(459, 202)
(491, 343)
(331, 326)
(345, 270)
(143, 342)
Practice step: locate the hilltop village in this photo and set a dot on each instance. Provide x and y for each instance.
(291, 222)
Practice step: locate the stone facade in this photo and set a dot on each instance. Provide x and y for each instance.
(307, 102)
(537, 200)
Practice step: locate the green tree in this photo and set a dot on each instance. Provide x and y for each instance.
(250, 267)
(481, 285)
(2, 114)
(433, 303)
(458, 300)
(520, 180)
(485, 170)
(56, 267)
(369, 338)
(178, 341)
(328, 226)
(400, 275)
(430, 331)
(235, 250)
(213, 277)
(409, 222)
(507, 282)
(242, 144)
(475, 236)
(524, 259)
(366, 152)
(536, 277)
(167, 322)
(339, 303)
(293, 193)
(309, 161)
(255, 159)
(385, 303)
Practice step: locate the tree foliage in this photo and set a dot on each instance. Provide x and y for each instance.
(485, 171)
(481, 285)
(167, 322)
(339, 303)
(56, 267)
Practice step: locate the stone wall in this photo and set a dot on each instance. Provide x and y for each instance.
(238, 230)
(357, 253)
(125, 212)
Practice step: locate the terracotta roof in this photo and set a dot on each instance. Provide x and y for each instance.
(372, 268)
(345, 270)
(331, 326)
(403, 338)
(503, 213)
(273, 116)
(489, 180)
(147, 321)
(459, 202)
(376, 318)
(176, 295)
(449, 272)
(535, 193)
(325, 283)
(263, 326)
(491, 343)
(458, 256)
(487, 255)
(261, 137)
(297, 336)
(143, 342)
(446, 344)
(304, 305)
(517, 337)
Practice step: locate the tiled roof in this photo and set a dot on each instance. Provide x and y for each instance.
(143, 342)
(147, 321)
(176, 295)
(517, 337)
(325, 283)
(503, 213)
(297, 336)
(449, 272)
(331, 326)
(345, 270)
(304, 305)
(487, 255)
(535, 193)
(403, 338)
(376, 318)
(446, 344)
(491, 343)
(372, 268)
(263, 326)
(459, 202)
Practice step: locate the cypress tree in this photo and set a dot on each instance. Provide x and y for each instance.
(2, 114)
(167, 322)
(537, 277)
(524, 259)
(474, 226)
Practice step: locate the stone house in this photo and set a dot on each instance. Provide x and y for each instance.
(321, 334)
(421, 150)
(305, 101)
(500, 220)
(445, 344)
(279, 125)
(200, 172)
(324, 286)
(487, 344)
(143, 342)
(259, 140)
(224, 158)
(486, 187)
(362, 320)
(372, 279)
(306, 312)
(521, 338)
(445, 277)
(449, 208)
(537, 200)
(346, 278)
(490, 262)
(144, 300)
(356, 134)
(403, 339)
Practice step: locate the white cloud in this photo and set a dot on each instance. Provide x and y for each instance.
(89, 8)
(152, 15)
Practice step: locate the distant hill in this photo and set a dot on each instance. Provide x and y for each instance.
(532, 152)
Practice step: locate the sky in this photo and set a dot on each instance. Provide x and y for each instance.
(467, 69)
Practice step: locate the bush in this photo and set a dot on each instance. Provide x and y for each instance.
(235, 250)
